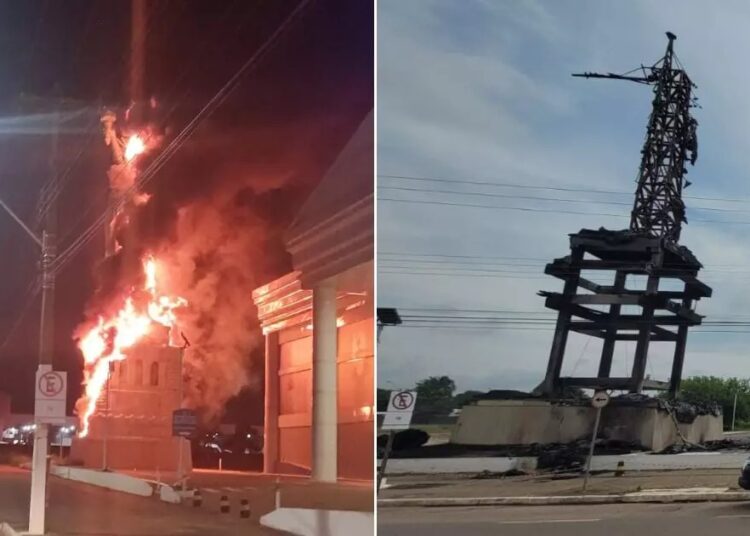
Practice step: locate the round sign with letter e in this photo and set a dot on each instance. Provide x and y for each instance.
(600, 399)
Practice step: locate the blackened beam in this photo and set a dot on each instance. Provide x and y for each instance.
(658, 334)
(606, 299)
(593, 287)
(629, 267)
(636, 322)
(683, 312)
(559, 302)
(695, 288)
(611, 383)
(555, 301)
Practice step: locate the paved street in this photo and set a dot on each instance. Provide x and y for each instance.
(78, 509)
(725, 519)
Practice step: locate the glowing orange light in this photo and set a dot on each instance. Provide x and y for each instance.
(134, 146)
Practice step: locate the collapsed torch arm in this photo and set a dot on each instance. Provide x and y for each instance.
(111, 139)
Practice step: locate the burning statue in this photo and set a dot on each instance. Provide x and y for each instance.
(131, 349)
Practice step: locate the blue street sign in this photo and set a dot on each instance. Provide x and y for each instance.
(184, 422)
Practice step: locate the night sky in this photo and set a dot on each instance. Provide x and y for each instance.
(293, 113)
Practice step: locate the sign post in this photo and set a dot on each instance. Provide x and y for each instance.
(397, 417)
(50, 389)
(184, 424)
(599, 400)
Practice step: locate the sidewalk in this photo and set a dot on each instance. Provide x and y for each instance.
(643, 486)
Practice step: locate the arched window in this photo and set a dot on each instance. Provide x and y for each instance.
(122, 376)
(138, 380)
(154, 374)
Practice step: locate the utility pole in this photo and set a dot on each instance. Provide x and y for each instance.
(47, 243)
(39, 463)
(39, 458)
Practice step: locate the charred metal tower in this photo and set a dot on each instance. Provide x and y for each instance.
(648, 248)
(670, 143)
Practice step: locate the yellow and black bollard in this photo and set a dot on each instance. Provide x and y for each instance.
(244, 508)
(224, 504)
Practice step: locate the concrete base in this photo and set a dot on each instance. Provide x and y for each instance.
(113, 481)
(524, 422)
(132, 454)
(310, 522)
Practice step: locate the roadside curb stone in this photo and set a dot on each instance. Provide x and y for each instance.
(640, 497)
(7, 530)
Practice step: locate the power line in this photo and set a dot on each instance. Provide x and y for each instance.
(537, 198)
(497, 207)
(530, 209)
(406, 256)
(31, 293)
(459, 265)
(549, 188)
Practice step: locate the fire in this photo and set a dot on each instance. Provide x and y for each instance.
(109, 340)
(133, 147)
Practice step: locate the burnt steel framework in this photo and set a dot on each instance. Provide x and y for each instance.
(620, 312)
(662, 310)
(671, 142)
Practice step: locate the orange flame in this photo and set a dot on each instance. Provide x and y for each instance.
(133, 147)
(109, 340)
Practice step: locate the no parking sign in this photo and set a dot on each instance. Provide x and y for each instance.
(49, 399)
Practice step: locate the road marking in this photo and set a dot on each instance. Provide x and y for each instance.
(210, 490)
(233, 489)
(735, 516)
(543, 521)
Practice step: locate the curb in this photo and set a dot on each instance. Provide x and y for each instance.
(7, 530)
(724, 496)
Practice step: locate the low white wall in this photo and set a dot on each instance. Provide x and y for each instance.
(113, 481)
(310, 522)
(525, 422)
(521, 422)
(459, 465)
(664, 462)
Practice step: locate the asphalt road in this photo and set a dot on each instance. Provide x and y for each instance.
(725, 519)
(79, 509)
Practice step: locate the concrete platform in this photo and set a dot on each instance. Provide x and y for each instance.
(529, 421)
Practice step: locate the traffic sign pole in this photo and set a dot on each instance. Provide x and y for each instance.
(397, 417)
(599, 400)
(386, 455)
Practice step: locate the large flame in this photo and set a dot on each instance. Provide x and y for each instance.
(133, 147)
(110, 338)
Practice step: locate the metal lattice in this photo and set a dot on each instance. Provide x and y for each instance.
(671, 142)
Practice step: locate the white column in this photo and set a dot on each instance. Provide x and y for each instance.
(37, 506)
(325, 418)
(271, 408)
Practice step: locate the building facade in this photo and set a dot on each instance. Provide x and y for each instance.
(320, 329)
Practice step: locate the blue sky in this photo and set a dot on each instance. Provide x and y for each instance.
(480, 90)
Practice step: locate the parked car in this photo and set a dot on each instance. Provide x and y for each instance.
(744, 480)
